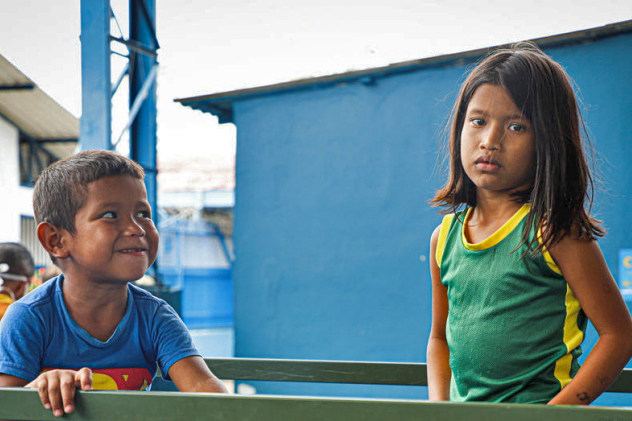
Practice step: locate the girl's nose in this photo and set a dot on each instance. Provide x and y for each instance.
(492, 138)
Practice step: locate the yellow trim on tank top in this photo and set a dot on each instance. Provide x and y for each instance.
(500, 234)
(547, 256)
(573, 337)
(443, 235)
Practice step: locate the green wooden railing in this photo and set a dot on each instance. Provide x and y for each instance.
(406, 374)
(24, 404)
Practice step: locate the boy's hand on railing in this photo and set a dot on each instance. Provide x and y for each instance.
(57, 388)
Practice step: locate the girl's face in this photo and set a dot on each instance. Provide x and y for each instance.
(497, 143)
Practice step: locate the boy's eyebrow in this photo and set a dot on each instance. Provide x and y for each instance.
(113, 204)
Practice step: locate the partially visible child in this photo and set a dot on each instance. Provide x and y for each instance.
(516, 268)
(49, 272)
(89, 327)
(16, 271)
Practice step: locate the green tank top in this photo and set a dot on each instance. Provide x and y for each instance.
(514, 327)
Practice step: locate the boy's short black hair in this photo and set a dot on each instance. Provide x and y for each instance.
(61, 189)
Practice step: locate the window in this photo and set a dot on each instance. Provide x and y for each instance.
(28, 237)
(33, 159)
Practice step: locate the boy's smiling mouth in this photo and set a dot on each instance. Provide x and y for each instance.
(139, 251)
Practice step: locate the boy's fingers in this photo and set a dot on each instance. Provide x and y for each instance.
(41, 384)
(57, 388)
(67, 387)
(83, 379)
(53, 389)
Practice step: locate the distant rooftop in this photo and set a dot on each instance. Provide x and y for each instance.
(189, 180)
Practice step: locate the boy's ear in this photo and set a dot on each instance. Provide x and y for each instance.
(50, 237)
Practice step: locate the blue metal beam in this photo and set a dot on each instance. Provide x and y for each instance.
(143, 68)
(97, 91)
(96, 109)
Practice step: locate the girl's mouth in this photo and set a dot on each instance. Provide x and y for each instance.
(487, 164)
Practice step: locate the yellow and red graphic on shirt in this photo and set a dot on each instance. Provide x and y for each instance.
(119, 378)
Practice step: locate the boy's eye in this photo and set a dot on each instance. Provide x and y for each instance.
(109, 215)
(144, 214)
(517, 127)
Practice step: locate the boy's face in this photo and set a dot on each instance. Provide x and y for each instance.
(115, 239)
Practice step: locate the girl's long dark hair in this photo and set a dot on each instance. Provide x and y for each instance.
(562, 191)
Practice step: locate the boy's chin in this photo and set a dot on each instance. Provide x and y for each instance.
(126, 278)
(117, 281)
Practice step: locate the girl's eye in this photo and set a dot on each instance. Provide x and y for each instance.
(478, 122)
(109, 215)
(517, 127)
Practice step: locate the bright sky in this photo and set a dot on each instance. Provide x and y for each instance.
(210, 46)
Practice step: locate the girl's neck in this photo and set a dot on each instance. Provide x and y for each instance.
(495, 208)
(487, 217)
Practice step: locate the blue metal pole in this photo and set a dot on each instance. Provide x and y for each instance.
(142, 71)
(96, 111)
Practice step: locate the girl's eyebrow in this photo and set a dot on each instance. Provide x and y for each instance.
(509, 117)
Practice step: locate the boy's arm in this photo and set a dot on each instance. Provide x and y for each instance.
(11, 381)
(191, 374)
(588, 276)
(438, 354)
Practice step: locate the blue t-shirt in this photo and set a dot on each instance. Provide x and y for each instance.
(37, 334)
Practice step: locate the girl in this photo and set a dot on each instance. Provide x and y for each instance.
(516, 269)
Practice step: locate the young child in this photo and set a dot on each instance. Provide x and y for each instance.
(90, 327)
(16, 271)
(516, 270)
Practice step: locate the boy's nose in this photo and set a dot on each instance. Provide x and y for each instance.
(134, 228)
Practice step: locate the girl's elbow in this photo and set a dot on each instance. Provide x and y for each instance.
(627, 343)
(622, 342)
(626, 336)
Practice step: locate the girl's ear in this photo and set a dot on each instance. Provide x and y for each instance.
(50, 237)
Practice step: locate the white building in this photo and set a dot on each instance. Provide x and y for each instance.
(34, 132)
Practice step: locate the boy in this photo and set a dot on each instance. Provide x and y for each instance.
(16, 270)
(89, 327)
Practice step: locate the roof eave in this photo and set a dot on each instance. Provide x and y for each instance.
(221, 104)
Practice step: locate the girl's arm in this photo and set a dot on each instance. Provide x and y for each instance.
(588, 276)
(438, 354)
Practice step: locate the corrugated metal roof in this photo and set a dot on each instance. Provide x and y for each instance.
(35, 113)
(221, 104)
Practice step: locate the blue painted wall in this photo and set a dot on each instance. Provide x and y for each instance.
(332, 223)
